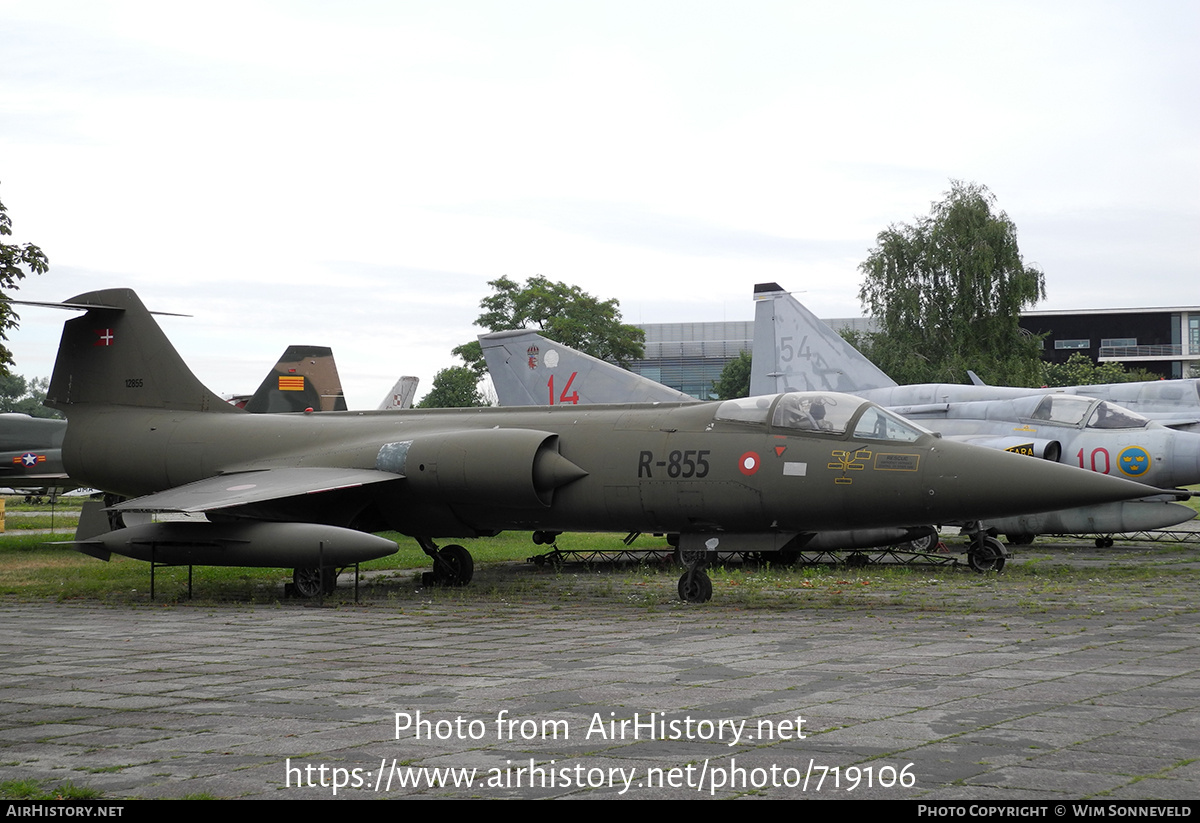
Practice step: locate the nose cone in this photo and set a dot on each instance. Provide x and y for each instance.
(965, 482)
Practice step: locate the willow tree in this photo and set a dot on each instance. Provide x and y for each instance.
(948, 291)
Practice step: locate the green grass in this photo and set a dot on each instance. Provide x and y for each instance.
(65, 523)
(22, 516)
(1041, 581)
(16, 503)
(32, 567)
(36, 790)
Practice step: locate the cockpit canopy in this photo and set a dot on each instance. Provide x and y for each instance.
(1073, 410)
(828, 413)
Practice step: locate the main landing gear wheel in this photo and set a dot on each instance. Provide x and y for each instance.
(455, 566)
(986, 554)
(311, 581)
(926, 542)
(1104, 542)
(695, 586)
(1021, 539)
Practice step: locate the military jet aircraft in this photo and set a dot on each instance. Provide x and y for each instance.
(31, 454)
(306, 489)
(305, 378)
(402, 394)
(795, 350)
(804, 353)
(529, 370)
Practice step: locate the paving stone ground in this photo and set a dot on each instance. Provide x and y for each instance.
(1003, 701)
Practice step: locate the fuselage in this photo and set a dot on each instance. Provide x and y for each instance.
(1175, 402)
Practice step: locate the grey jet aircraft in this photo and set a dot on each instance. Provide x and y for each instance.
(401, 395)
(307, 490)
(794, 350)
(806, 353)
(529, 370)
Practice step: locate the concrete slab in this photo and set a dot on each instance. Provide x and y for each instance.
(588, 699)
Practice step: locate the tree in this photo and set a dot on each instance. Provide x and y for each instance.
(453, 388)
(948, 292)
(14, 259)
(1079, 370)
(19, 395)
(565, 314)
(735, 378)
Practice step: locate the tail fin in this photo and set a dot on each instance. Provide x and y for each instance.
(529, 370)
(794, 351)
(117, 355)
(402, 394)
(306, 377)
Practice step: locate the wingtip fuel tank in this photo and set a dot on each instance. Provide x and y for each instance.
(253, 544)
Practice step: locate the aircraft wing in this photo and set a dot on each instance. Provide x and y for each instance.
(1173, 421)
(242, 488)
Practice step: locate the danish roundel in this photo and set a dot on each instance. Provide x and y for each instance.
(748, 463)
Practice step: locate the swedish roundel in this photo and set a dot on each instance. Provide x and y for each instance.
(1134, 461)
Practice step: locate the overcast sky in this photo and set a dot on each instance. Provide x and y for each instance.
(352, 174)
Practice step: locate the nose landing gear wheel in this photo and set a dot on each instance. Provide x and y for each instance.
(459, 567)
(695, 587)
(986, 555)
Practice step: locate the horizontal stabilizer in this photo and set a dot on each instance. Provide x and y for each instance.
(80, 304)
